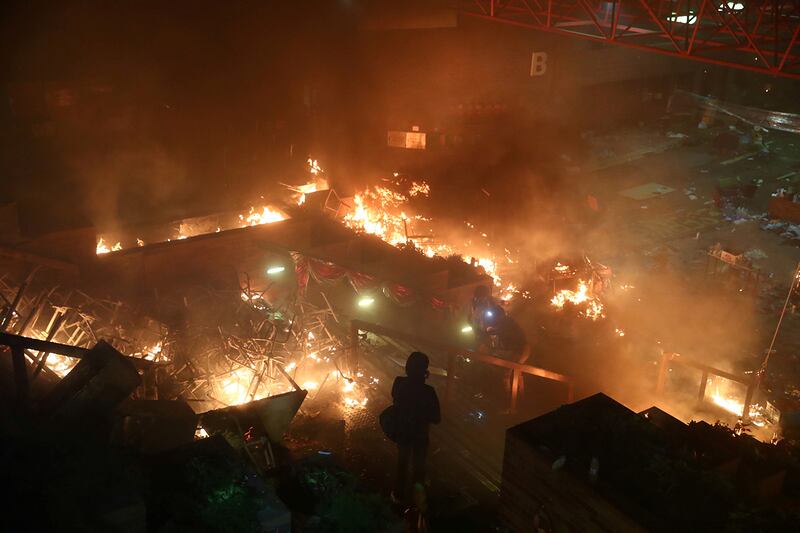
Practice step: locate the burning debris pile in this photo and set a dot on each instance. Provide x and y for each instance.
(240, 348)
(584, 284)
(229, 347)
(385, 211)
(72, 317)
(255, 215)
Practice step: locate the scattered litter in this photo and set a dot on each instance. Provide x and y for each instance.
(697, 237)
(674, 135)
(739, 215)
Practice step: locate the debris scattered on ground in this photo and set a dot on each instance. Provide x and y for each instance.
(739, 215)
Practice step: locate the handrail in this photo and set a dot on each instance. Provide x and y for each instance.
(517, 368)
(19, 344)
(671, 357)
(39, 345)
(28, 343)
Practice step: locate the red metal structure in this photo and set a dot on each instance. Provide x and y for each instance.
(757, 35)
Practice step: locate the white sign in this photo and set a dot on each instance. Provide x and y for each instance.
(412, 140)
(538, 64)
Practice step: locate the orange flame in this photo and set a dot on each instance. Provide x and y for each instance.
(103, 248)
(593, 308)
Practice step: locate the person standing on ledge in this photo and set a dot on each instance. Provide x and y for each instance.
(417, 407)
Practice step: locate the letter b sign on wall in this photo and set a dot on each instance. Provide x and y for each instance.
(538, 64)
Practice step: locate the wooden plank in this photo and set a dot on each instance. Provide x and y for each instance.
(39, 345)
(701, 394)
(27, 343)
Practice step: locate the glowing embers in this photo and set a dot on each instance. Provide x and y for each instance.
(352, 397)
(589, 306)
(153, 353)
(419, 187)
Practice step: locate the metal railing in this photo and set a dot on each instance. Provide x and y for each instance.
(669, 358)
(517, 369)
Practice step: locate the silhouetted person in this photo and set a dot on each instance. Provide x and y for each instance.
(417, 407)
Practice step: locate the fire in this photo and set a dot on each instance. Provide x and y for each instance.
(351, 399)
(61, 365)
(153, 353)
(419, 188)
(102, 247)
(237, 386)
(509, 292)
(373, 213)
(593, 308)
(267, 215)
(376, 210)
(353, 403)
(561, 269)
(319, 183)
(728, 401)
(313, 166)
(387, 214)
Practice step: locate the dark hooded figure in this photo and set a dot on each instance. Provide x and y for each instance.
(417, 407)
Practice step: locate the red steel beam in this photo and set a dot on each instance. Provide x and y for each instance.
(755, 35)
